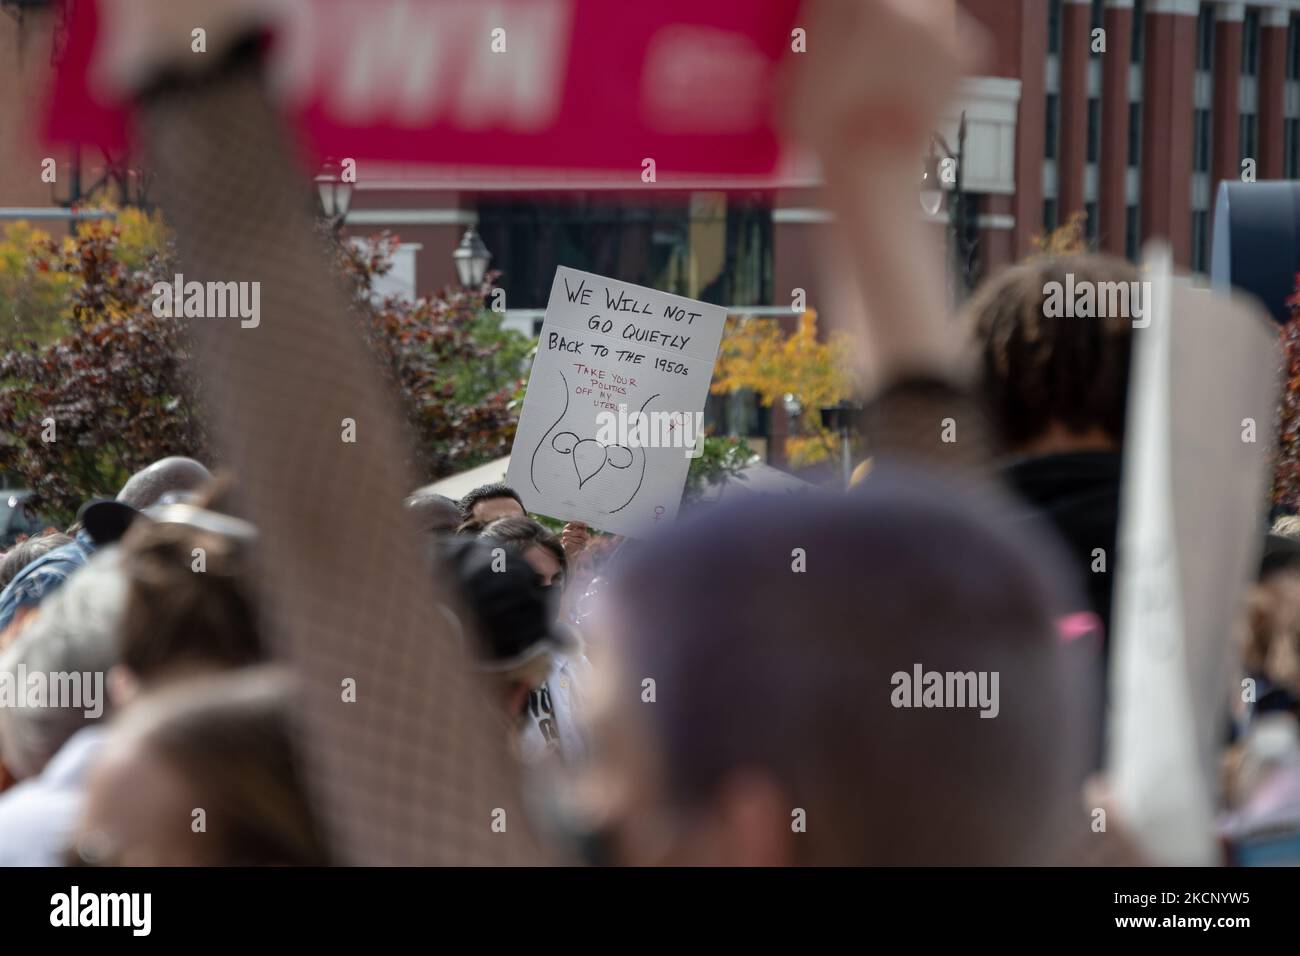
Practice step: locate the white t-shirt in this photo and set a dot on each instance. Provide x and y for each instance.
(39, 815)
(554, 712)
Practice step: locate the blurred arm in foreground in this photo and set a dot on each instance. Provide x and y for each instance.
(868, 118)
(414, 770)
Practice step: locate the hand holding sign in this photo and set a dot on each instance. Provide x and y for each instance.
(573, 538)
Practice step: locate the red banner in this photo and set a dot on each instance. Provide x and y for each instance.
(554, 84)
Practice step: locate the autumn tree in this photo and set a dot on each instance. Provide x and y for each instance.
(1286, 471)
(94, 386)
(757, 354)
(85, 412)
(53, 287)
(1069, 238)
(459, 372)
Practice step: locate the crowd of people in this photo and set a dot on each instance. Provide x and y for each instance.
(686, 698)
(298, 670)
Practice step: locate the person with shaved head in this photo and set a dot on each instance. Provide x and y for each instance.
(171, 475)
(433, 513)
(45, 575)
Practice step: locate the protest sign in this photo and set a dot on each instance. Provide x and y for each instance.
(615, 403)
(1202, 401)
(560, 84)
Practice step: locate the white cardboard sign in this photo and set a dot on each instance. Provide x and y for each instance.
(1202, 399)
(614, 402)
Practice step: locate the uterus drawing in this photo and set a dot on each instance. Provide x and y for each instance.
(598, 473)
(589, 456)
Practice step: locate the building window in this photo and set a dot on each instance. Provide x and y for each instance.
(1050, 215)
(1052, 125)
(709, 246)
(737, 413)
(1291, 149)
(1094, 128)
(1200, 231)
(1131, 236)
(1205, 38)
(1139, 31)
(1092, 225)
(1201, 142)
(1053, 27)
(1250, 43)
(1248, 130)
(1293, 48)
(1135, 134)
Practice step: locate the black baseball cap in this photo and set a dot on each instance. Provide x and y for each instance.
(107, 520)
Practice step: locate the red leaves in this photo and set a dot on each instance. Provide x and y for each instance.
(455, 369)
(1286, 474)
(116, 406)
(121, 396)
(1294, 298)
(115, 390)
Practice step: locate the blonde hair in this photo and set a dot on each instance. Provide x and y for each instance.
(1288, 526)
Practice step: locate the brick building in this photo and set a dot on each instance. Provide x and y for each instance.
(1134, 137)
(1132, 126)
(1137, 136)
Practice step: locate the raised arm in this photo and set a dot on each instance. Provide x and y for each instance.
(415, 770)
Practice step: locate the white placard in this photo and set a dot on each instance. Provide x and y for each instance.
(1202, 398)
(614, 403)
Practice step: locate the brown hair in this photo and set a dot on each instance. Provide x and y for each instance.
(179, 613)
(1036, 369)
(523, 533)
(230, 737)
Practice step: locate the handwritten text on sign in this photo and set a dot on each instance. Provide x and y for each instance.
(614, 402)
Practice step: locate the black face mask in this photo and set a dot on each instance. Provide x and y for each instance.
(553, 593)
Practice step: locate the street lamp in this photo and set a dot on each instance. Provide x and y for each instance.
(961, 249)
(931, 194)
(131, 183)
(471, 258)
(843, 418)
(334, 194)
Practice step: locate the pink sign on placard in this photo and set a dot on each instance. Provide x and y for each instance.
(557, 84)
